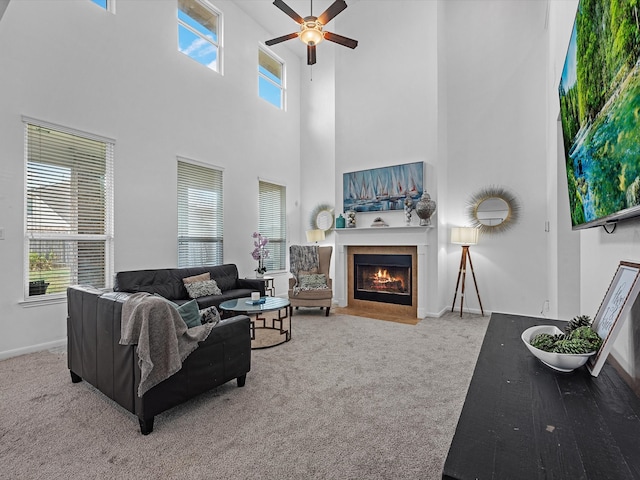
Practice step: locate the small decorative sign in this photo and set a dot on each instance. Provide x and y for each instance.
(617, 302)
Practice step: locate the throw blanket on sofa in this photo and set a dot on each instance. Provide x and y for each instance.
(162, 338)
(303, 258)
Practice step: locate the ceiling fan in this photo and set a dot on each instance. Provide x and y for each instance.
(311, 32)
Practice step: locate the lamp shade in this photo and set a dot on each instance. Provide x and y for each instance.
(464, 235)
(315, 235)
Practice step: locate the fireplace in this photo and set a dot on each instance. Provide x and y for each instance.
(382, 278)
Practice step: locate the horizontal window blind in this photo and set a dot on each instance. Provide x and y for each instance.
(200, 215)
(272, 200)
(69, 205)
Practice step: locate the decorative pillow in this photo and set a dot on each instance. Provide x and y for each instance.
(314, 281)
(210, 315)
(202, 289)
(188, 311)
(203, 277)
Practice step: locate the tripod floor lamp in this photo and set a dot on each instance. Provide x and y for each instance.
(465, 236)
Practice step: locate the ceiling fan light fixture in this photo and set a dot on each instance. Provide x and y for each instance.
(311, 31)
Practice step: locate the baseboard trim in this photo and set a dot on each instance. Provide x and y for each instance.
(32, 349)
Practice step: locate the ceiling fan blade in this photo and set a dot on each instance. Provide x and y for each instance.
(334, 9)
(288, 10)
(311, 54)
(347, 42)
(283, 38)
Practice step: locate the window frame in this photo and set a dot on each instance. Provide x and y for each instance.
(107, 237)
(265, 224)
(218, 44)
(110, 5)
(283, 87)
(216, 239)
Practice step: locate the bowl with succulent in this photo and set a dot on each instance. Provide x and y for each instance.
(563, 350)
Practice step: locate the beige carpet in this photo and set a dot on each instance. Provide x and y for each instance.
(346, 398)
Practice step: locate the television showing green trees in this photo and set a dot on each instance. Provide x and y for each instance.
(600, 112)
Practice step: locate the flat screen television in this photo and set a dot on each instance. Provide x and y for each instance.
(600, 113)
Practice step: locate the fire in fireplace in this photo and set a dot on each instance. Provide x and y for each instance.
(382, 278)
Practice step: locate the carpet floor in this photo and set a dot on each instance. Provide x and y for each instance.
(347, 398)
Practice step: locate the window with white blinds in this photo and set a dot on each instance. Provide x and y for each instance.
(272, 203)
(200, 215)
(69, 209)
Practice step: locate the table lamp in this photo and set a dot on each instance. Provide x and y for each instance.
(315, 236)
(465, 236)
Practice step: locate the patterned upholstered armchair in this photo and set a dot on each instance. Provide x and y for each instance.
(310, 285)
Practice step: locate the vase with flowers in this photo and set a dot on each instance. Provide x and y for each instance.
(260, 253)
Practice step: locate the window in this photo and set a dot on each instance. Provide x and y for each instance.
(198, 32)
(270, 78)
(69, 209)
(272, 204)
(200, 215)
(106, 4)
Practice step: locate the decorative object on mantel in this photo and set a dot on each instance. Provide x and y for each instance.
(380, 189)
(379, 222)
(465, 236)
(408, 208)
(260, 253)
(351, 219)
(340, 221)
(493, 209)
(425, 208)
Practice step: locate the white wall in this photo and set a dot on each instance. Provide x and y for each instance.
(386, 102)
(496, 61)
(122, 77)
(599, 253)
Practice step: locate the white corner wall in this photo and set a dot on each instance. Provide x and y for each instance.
(496, 64)
(122, 77)
(598, 253)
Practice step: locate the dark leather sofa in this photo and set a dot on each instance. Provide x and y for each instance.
(95, 355)
(168, 283)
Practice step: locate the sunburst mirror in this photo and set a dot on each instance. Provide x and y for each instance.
(493, 209)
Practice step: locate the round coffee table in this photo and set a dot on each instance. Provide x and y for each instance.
(274, 330)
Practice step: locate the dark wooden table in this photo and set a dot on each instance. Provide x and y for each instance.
(523, 420)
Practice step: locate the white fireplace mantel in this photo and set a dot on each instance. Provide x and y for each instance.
(382, 236)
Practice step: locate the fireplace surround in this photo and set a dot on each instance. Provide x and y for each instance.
(381, 240)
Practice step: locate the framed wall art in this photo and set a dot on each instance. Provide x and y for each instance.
(619, 299)
(383, 188)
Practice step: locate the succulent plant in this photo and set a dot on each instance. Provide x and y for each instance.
(578, 338)
(576, 322)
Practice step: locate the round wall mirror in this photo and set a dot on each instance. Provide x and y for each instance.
(493, 209)
(322, 217)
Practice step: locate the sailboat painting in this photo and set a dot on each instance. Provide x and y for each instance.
(383, 188)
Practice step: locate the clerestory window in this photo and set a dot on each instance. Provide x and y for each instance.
(199, 31)
(271, 78)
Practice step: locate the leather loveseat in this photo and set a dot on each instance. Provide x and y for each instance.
(96, 356)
